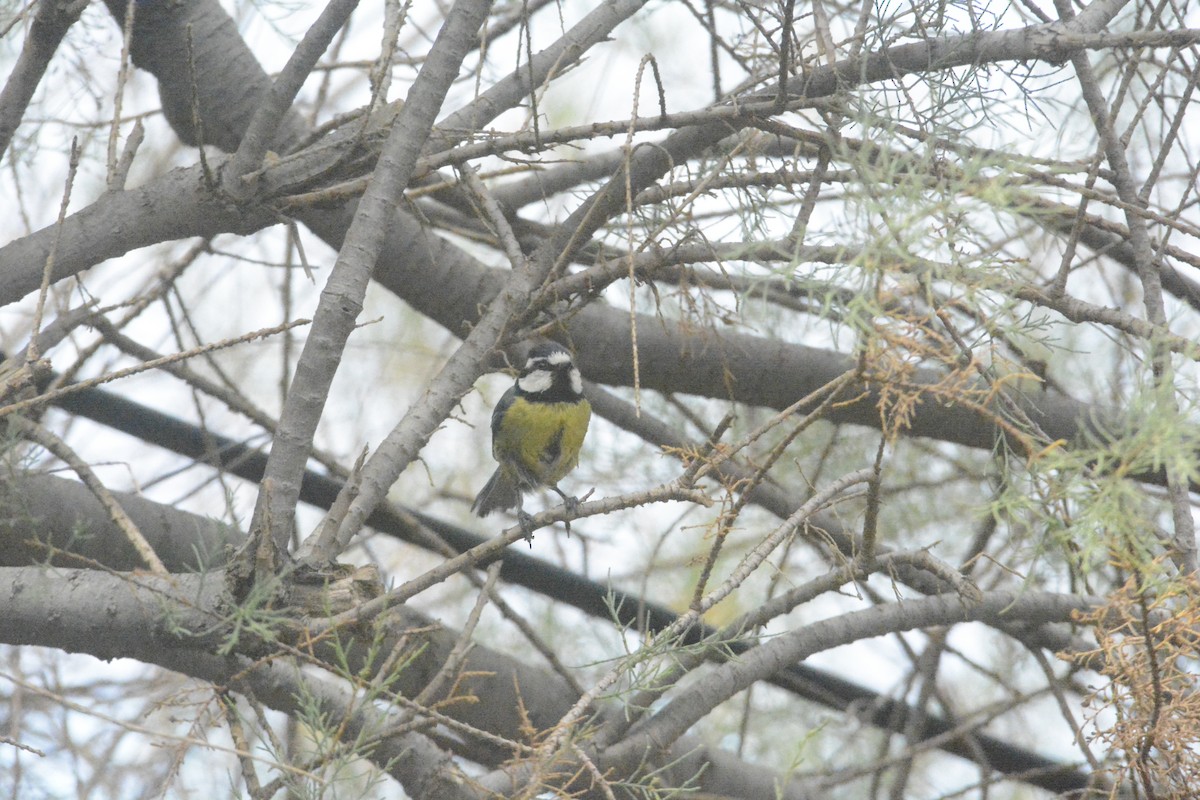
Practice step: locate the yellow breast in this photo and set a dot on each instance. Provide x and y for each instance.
(542, 440)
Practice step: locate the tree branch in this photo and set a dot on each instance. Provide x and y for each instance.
(726, 680)
(51, 21)
(341, 300)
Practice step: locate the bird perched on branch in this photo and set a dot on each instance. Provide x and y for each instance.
(537, 430)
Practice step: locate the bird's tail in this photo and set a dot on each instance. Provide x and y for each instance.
(500, 492)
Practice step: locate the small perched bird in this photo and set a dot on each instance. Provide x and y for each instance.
(537, 430)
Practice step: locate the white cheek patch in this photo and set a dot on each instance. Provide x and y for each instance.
(539, 380)
(576, 381)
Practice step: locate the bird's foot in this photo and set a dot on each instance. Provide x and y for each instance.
(570, 502)
(526, 523)
(570, 505)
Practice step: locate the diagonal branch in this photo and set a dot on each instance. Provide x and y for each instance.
(278, 101)
(341, 301)
(51, 20)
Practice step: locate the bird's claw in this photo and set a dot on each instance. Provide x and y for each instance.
(526, 523)
(570, 505)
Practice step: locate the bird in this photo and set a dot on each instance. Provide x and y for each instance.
(538, 427)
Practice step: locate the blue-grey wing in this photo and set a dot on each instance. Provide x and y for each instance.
(506, 401)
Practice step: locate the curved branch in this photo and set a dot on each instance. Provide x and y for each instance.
(778, 653)
(225, 85)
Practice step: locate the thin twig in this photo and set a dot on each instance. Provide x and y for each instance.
(51, 396)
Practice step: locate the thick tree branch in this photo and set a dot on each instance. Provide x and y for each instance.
(154, 620)
(57, 521)
(173, 206)
(225, 84)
